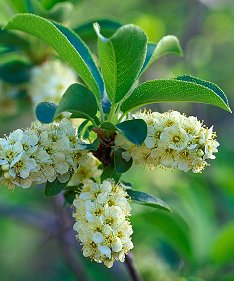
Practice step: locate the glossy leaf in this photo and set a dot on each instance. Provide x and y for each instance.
(78, 100)
(67, 44)
(147, 200)
(45, 112)
(121, 165)
(121, 59)
(134, 130)
(167, 45)
(174, 90)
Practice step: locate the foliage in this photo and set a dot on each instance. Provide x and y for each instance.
(186, 86)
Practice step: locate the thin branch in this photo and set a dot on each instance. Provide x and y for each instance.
(71, 258)
(129, 262)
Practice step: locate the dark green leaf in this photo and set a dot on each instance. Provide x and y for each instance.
(68, 45)
(134, 130)
(78, 100)
(53, 188)
(121, 165)
(15, 72)
(13, 40)
(45, 112)
(121, 59)
(147, 200)
(167, 45)
(174, 90)
(108, 27)
(69, 196)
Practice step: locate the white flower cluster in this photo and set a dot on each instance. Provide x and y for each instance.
(49, 81)
(39, 154)
(173, 141)
(102, 224)
(88, 169)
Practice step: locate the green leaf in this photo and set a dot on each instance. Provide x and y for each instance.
(13, 40)
(134, 130)
(82, 127)
(108, 27)
(109, 172)
(67, 44)
(147, 200)
(108, 126)
(223, 247)
(48, 4)
(69, 197)
(53, 188)
(121, 165)
(167, 45)
(78, 100)
(170, 226)
(121, 59)
(45, 112)
(207, 84)
(15, 72)
(174, 90)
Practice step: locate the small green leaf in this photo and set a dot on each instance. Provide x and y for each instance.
(147, 200)
(67, 44)
(45, 112)
(167, 45)
(121, 165)
(15, 72)
(78, 100)
(134, 130)
(69, 197)
(109, 172)
(53, 188)
(121, 59)
(108, 126)
(174, 90)
(108, 27)
(82, 127)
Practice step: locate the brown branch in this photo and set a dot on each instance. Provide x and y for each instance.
(129, 262)
(64, 223)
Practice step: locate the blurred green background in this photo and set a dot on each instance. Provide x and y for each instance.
(197, 241)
